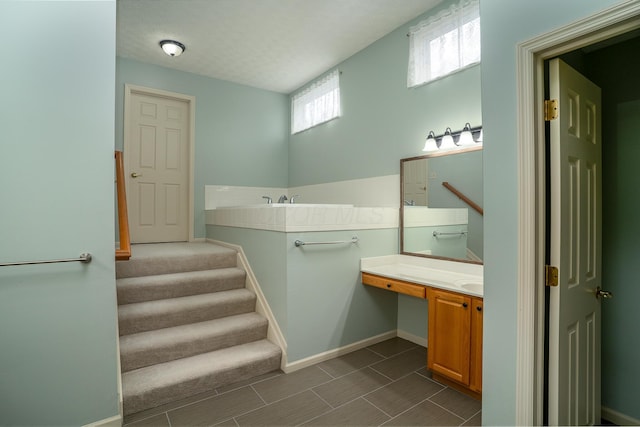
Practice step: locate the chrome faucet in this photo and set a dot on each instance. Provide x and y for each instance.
(293, 198)
(269, 199)
(282, 198)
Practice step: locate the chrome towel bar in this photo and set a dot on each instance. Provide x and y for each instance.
(354, 239)
(83, 258)
(456, 233)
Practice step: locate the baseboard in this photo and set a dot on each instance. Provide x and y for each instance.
(198, 240)
(618, 418)
(274, 333)
(330, 354)
(413, 338)
(115, 421)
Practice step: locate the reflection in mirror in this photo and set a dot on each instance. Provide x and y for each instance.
(441, 207)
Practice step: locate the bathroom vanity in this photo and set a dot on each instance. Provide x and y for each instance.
(455, 304)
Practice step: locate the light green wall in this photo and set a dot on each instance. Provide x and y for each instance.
(504, 25)
(382, 121)
(267, 261)
(413, 315)
(241, 132)
(315, 292)
(58, 362)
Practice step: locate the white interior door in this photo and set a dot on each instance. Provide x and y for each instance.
(415, 182)
(157, 153)
(576, 229)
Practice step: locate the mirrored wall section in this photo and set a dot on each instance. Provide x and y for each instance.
(442, 203)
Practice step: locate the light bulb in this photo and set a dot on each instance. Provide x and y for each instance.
(466, 139)
(430, 144)
(447, 141)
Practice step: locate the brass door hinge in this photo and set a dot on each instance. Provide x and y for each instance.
(550, 109)
(550, 275)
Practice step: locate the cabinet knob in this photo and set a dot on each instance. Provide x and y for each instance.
(388, 285)
(479, 308)
(465, 305)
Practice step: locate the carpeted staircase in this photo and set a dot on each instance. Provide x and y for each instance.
(187, 324)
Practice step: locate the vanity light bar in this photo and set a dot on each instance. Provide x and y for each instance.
(453, 140)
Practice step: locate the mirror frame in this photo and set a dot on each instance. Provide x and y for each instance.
(427, 156)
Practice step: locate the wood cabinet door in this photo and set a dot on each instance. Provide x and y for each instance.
(449, 346)
(475, 383)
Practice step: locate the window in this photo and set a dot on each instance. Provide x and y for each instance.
(317, 103)
(444, 43)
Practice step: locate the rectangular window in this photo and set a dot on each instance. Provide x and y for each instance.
(317, 103)
(444, 43)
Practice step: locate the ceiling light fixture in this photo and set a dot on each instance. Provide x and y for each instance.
(172, 47)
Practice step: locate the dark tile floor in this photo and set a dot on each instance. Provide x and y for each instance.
(384, 384)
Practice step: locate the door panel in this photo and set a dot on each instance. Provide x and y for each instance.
(449, 335)
(576, 229)
(157, 150)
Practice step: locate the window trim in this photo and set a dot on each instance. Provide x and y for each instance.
(322, 87)
(422, 35)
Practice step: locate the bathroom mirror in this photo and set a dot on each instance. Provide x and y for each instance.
(441, 205)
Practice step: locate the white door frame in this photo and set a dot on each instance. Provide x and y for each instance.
(191, 102)
(531, 55)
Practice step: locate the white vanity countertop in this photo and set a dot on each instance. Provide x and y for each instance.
(449, 275)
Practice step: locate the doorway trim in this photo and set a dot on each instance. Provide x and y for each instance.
(129, 90)
(530, 57)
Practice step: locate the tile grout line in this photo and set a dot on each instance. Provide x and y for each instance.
(449, 411)
(379, 409)
(258, 394)
(326, 372)
(321, 398)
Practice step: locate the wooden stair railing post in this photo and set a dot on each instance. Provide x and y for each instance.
(464, 198)
(124, 251)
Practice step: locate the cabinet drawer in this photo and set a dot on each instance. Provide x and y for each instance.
(394, 285)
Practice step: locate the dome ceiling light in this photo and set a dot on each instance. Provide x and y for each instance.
(172, 47)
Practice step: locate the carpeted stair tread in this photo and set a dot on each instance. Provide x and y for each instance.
(149, 288)
(150, 315)
(167, 258)
(155, 385)
(163, 345)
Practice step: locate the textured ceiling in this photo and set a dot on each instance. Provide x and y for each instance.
(277, 45)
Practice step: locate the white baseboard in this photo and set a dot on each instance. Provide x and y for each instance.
(115, 421)
(413, 338)
(274, 333)
(618, 418)
(330, 354)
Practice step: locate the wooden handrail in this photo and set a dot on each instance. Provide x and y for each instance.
(124, 251)
(464, 198)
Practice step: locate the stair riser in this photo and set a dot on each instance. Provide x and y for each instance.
(192, 386)
(150, 321)
(138, 358)
(132, 290)
(170, 265)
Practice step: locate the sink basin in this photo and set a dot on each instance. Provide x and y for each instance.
(473, 287)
